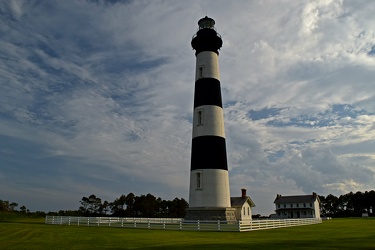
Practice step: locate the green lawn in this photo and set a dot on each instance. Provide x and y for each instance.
(29, 233)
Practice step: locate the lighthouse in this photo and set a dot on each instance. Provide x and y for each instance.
(209, 196)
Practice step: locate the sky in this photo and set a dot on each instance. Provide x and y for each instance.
(96, 97)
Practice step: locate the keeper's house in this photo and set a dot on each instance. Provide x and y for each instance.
(298, 206)
(243, 206)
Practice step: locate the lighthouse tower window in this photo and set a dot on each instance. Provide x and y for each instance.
(199, 180)
(200, 117)
(200, 71)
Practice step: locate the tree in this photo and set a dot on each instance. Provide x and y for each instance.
(129, 202)
(117, 206)
(358, 203)
(23, 209)
(370, 198)
(146, 206)
(90, 205)
(163, 208)
(330, 205)
(13, 206)
(177, 208)
(4, 206)
(104, 207)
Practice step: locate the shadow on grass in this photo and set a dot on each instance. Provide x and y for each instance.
(288, 244)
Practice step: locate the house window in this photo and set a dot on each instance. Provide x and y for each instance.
(297, 205)
(284, 205)
(200, 117)
(291, 205)
(305, 213)
(199, 180)
(304, 204)
(244, 211)
(310, 204)
(248, 211)
(278, 205)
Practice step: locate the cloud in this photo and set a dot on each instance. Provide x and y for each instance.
(97, 96)
(344, 187)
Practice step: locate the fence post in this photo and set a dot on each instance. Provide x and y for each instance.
(88, 221)
(180, 225)
(218, 225)
(199, 228)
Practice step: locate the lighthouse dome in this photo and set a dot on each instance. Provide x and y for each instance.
(206, 23)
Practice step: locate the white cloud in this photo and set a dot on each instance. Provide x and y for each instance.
(103, 93)
(344, 187)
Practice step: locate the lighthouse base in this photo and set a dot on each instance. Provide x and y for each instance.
(211, 213)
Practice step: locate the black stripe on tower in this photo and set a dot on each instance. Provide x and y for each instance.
(207, 92)
(209, 152)
(206, 40)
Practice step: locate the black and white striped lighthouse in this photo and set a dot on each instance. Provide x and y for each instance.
(209, 197)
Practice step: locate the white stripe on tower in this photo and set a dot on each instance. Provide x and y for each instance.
(209, 181)
(207, 65)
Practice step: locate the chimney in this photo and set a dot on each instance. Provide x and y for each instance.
(314, 194)
(278, 196)
(243, 192)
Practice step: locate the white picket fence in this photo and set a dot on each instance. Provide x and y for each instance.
(178, 223)
(269, 224)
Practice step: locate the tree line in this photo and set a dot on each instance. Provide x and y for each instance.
(124, 206)
(133, 206)
(7, 207)
(348, 205)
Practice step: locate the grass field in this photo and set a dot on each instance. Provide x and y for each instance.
(32, 233)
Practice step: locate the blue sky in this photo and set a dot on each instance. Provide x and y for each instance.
(96, 97)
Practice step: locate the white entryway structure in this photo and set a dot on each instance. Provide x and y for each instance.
(243, 206)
